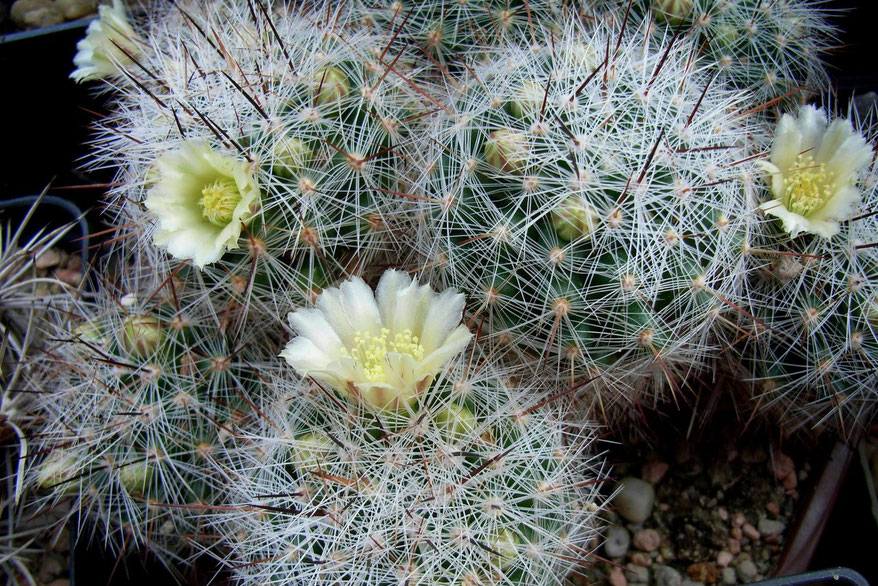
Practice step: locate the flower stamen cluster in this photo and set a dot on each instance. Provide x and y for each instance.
(370, 351)
(809, 185)
(218, 201)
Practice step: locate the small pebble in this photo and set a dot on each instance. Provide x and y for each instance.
(51, 567)
(704, 572)
(771, 527)
(667, 576)
(729, 576)
(772, 508)
(617, 542)
(617, 577)
(48, 259)
(723, 513)
(746, 571)
(724, 558)
(653, 472)
(641, 559)
(734, 546)
(647, 540)
(737, 534)
(634, 499)
(750, 532)
(790, 482)
(738, 520)
(637, 574)
(783, 465)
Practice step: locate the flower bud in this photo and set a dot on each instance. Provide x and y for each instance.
(507, 150)
(141, 335)
(290, 155)
(574, 219)
(135, 476)
(672, 12)
(331, 84)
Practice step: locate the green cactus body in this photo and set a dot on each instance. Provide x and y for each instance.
(140, 415)
(598, 212)
(474, 481)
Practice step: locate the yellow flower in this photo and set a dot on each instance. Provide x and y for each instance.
(380, 349)
(201, 200)
(813, 167)
(107, 45)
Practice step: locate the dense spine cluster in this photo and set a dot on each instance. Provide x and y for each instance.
(592, 204)
(481, 481)
(141, 389)
(569, 205)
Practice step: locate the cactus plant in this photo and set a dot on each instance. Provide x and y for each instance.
(476, 478)
(591, 204)
(771, 48)
(140, 389)
(811, 345)
(264, 153)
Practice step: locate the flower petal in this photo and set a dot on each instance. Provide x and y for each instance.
(454, 344)
(443, 315)
(312, 324)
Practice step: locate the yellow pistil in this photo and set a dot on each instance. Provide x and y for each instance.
(370, 351)
(808, 186)
(218, 201)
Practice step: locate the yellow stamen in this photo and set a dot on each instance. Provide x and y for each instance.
(808, 186)
(218, 201)
(370, 350)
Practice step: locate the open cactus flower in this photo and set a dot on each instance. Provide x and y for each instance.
(814, 166)
(201, 201)
(383, 349)
(109, 44)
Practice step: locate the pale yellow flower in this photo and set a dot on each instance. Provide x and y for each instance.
(201, 200)
(108, 46)
(381, 349)
(814, 166)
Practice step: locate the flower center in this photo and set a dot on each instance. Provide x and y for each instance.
(807, 186)
(370, 350)
(218, 201)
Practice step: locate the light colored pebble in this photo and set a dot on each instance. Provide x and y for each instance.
(667, 576)
(48, 259)
(746, 571)
(73, 9)
(729, 576)
(738, 520)
(617, 542)
(771, 527)
(634, 499)
(637, 574)
(641, 559)
(750, 532)
(723, 513)
(772, 508)
(724, 558)
(653, 472)
(617, 577)
(647, 540)
(50, 567)
(783, 465)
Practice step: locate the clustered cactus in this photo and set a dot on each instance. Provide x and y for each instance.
(612, 201)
